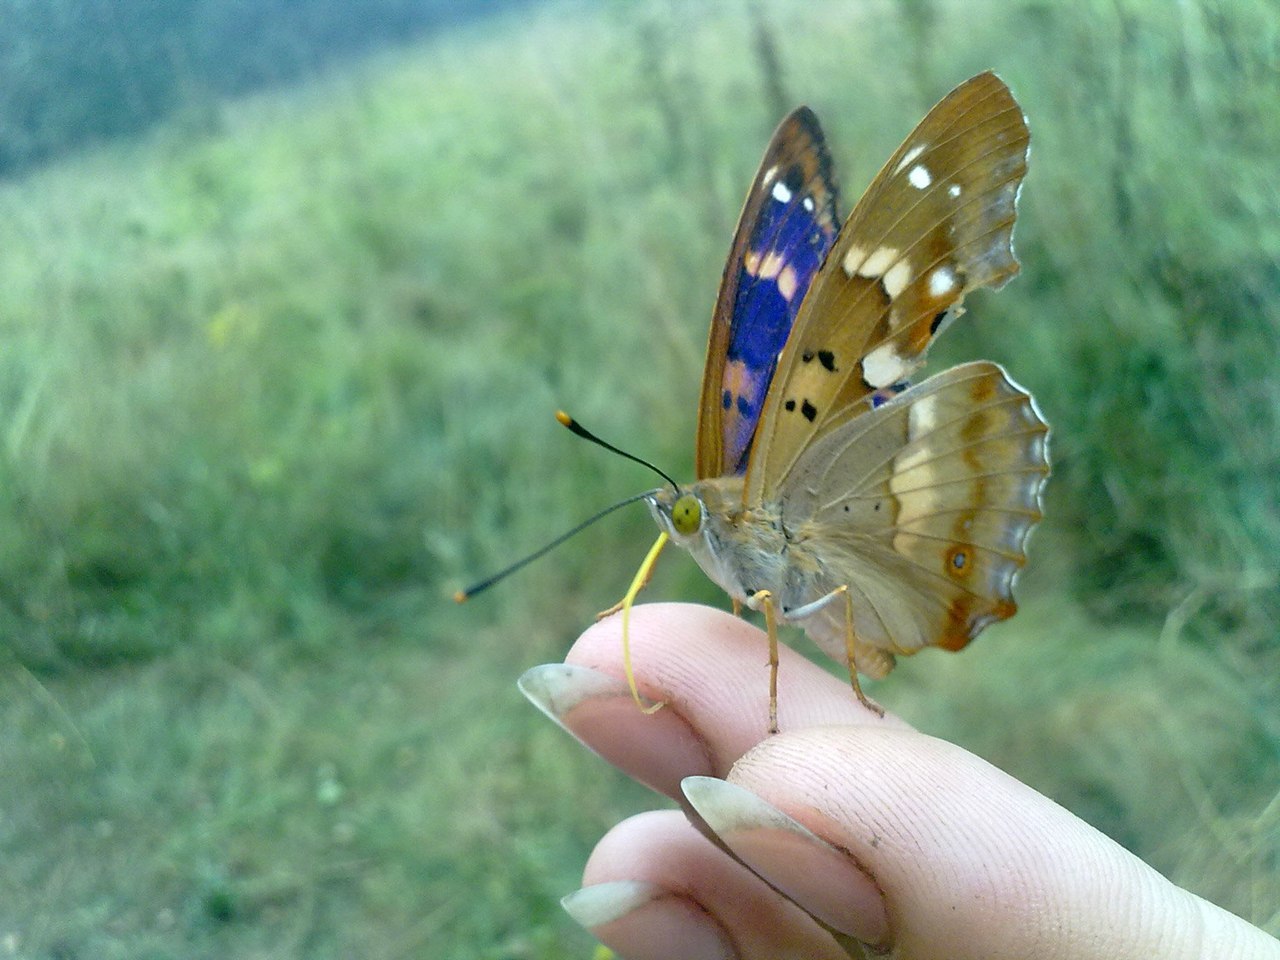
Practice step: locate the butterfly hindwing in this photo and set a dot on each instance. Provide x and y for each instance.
(936, 223)
(787, 225)
(923, 507)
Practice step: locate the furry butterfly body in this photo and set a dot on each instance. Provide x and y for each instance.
(880, 517)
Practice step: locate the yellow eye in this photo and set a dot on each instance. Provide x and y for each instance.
(686, 515)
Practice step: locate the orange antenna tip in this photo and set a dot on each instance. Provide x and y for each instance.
(460, 596)
(564, 418)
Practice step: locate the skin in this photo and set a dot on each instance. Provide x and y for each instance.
(919, 848)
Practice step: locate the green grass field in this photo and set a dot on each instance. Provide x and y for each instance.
(280, 378)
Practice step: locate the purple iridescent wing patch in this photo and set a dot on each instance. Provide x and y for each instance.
(788, 224)
(882, 396)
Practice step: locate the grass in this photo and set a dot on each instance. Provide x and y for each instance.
(279, 378)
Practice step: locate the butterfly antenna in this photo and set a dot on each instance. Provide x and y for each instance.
(463, 595)
(576, 428)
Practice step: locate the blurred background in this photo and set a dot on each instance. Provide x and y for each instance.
(289, 292)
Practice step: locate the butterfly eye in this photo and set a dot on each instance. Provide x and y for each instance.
(686, 515)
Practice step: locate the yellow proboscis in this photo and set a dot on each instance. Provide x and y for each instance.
(640, 579)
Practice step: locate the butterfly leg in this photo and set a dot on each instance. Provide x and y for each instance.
(737, 607)
(848, 654)
(799, 613)
(765, 598)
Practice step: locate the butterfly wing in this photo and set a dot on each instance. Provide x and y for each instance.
(787, 225)
(936, 223)
(922, 507)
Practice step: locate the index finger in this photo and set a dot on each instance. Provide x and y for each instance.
(710, 670)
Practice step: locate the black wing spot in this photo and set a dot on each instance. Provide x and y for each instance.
(827, 359)
(794, 178)
(809, 411)
(790, 405)
(846, 507)
(744, 407)
(937, 322)
(806, 357)
(884, 291)
(726, 400)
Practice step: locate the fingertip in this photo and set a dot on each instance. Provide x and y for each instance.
(963, 852)
(714, 668)
(657, 748)
(677, 868)
(640, 920)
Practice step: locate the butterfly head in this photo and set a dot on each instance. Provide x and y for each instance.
(681, 513)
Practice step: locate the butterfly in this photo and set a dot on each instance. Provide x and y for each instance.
(879, 516)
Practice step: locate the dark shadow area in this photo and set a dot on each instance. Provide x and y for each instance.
(77, 71)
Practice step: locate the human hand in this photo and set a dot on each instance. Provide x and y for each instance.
(843, 830)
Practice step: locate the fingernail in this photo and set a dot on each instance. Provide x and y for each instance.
(647, 920)
(556, 688)
(821, 878)
(658, 749)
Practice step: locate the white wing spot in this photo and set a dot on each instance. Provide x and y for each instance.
(908, 157)
(769, 174)
(808, 204)
(853, 260)
(953, 191)
(915, 472)
(858, 264)
(787, 282)
(781, 192)
(941, 282)
(922, 417)
(896, 279)
(770, 266)
(919, 177)
(883, 366)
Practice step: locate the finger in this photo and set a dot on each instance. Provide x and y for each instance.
(656, 888)
(709, 669)
(971, 863)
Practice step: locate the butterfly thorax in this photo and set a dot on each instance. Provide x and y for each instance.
(744, 549)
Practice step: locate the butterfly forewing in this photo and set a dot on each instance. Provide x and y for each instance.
(787, 225)
(925, 505)
(936, 223)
